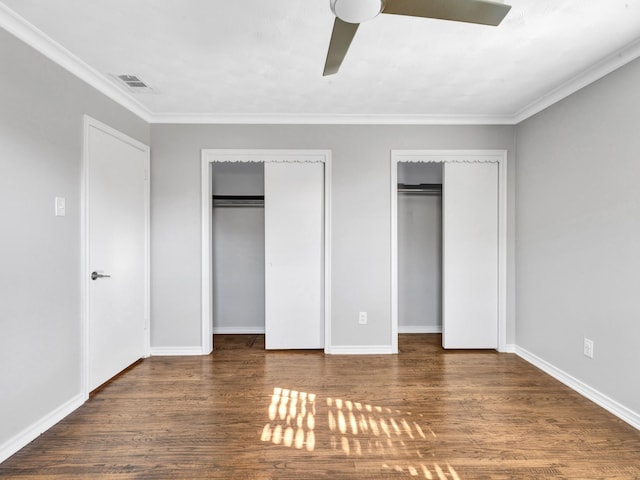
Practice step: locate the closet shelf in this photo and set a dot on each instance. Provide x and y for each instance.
(421, 189)
(238, 201)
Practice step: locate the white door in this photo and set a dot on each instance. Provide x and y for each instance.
(116, 252)
(470, 255)
(294, 217)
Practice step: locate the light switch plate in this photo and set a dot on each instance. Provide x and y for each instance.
(60, 207)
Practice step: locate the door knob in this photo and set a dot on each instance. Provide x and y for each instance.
(96, 275)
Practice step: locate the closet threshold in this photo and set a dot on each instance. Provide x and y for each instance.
(238, 201)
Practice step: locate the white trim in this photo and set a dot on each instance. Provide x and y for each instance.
(508, 348)
(84, 262)
(210, 156)
(442, 156)
(419, 328)
(89, 122)
(327, 252)
(206, 209)
(361, 350)
(623, 413)
(32, 36)
(41, 42)
(260, 156)
(394, 252)
(595, 72)
(238, 330)
(329, 119)
(32, 432)
(147, 253)
(177, 351)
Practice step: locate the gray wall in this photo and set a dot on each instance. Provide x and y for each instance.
(415, 173)
(41, 108)
(578, 231)
(360, 216)
(419, 251)
(238, 251)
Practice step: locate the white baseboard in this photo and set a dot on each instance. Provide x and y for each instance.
(619, 410)
(419, 329)
(176, 351)
(32, 432)
(507, 348)
(238, 330)
(359, 350)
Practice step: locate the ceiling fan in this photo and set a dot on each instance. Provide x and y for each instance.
(351, 13)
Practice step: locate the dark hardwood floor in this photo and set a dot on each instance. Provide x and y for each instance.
(243, 413)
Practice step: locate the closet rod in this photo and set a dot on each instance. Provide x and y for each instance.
(238, 200)
(421, 189)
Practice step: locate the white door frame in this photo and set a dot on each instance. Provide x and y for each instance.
(442, 156)
(210, 156)
(88, 123)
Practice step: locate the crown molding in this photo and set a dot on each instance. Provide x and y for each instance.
(595, 72)
(331, 119)
(41, 42)
(25, 31)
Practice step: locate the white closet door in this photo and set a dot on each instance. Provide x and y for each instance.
(470, 255)
(294, 217)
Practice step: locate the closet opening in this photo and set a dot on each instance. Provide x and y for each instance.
(473, 235)
(419, 214)
(238, 251)
(265, 261)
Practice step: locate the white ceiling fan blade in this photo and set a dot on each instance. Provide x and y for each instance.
(341, 37)
(485, 12)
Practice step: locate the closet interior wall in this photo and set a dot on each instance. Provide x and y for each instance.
(419, 251)
(238, 251)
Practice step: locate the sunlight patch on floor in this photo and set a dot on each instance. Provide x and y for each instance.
(291, 419)
(359, 429)
(356, 429)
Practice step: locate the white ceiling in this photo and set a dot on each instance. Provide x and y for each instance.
(252, 59)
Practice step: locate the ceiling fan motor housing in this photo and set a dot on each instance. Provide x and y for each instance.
(356, 11)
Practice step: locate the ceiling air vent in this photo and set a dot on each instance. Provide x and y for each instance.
(134, 83)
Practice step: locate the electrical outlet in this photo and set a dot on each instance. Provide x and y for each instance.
(362, 318)
(588, 348)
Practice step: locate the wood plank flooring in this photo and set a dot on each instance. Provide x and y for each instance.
(243, 413)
